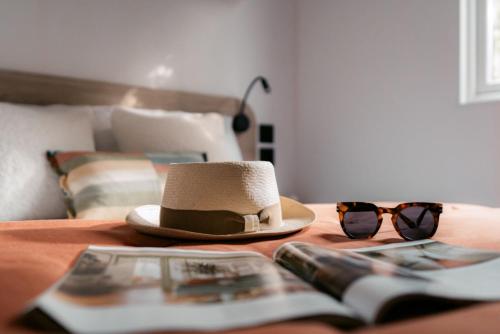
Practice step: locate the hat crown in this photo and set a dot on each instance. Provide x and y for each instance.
(244, 187)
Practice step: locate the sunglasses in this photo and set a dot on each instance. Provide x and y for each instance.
(412, 221)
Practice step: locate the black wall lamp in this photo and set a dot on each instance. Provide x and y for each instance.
(241, 122)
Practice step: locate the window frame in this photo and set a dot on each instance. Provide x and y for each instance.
(474, 84)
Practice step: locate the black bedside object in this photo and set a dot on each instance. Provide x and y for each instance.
(267, 154)
(241, 123)
(266, 133)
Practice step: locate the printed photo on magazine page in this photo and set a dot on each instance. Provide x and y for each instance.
(117, 289)
(380, 282)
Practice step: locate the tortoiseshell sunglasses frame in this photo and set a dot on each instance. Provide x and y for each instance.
(343, 207)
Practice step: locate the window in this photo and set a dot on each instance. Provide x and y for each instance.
(479, 51)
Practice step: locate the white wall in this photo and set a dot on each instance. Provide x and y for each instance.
(378, 114)
(377, 82)
(214, 46)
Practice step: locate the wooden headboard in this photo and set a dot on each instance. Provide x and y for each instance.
(38, 89)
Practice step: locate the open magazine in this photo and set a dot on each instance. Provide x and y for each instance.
(127, 289)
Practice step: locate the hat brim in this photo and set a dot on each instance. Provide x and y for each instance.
(296, 216)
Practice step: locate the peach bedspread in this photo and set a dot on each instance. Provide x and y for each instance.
(35, 254)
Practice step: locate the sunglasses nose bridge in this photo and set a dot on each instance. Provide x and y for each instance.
(386, 210)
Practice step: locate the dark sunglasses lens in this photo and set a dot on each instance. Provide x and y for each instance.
(416, 223)
(360, 224)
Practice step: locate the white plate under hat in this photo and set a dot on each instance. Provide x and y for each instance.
(229, 187)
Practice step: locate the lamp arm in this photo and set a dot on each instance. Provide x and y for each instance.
(247, 92)
(241, 122)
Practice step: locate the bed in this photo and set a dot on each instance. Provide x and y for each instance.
(35, 254)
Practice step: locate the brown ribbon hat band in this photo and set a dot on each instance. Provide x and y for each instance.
(220, 221)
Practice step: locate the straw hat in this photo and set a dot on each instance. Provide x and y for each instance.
(221, 201)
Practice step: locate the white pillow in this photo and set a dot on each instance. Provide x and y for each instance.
(142, 130)
(101, 124)
(100, 117)
(28, 186)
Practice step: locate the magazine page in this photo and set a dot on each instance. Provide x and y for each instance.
(126, 289)
(368, 279)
